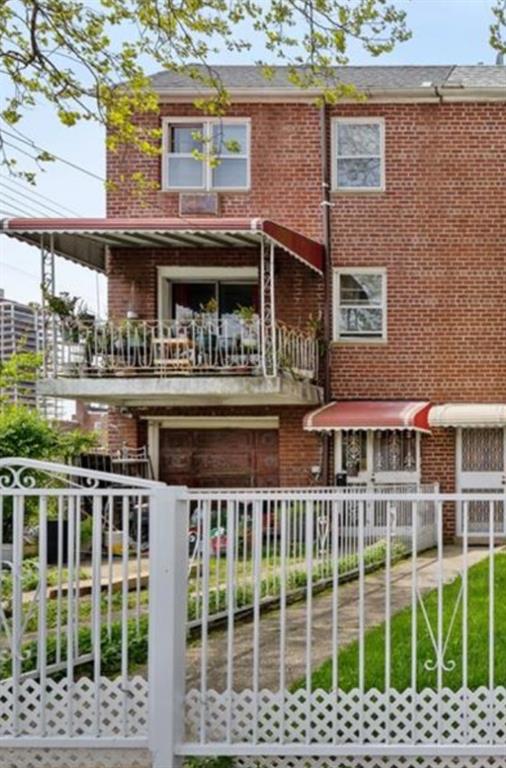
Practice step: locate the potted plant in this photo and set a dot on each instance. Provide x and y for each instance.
(132, 345)
(76, 323)
(247, 318)
(247, 341)
(206, 331)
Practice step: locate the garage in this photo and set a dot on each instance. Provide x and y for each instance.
(219, 458)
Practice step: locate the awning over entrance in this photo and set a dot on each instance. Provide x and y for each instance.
(369, 414)
(86, 240)
(468, 415)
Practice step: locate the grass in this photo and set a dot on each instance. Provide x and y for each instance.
(401, 643)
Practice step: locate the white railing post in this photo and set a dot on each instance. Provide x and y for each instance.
(168, 549)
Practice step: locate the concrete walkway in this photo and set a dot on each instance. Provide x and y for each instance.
(427, 572)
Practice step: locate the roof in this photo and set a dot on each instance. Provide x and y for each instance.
(242, 76)
(245, 78)
(86, 240)
(369, 414)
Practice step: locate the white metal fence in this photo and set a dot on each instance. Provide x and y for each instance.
(321, 650)
(207, 508)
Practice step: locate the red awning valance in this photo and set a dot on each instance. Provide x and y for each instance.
(369, 414)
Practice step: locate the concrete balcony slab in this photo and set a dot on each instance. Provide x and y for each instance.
(185, 390)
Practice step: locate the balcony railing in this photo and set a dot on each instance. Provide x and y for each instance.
(178, 347)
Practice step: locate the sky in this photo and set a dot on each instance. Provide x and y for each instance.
(444, 32)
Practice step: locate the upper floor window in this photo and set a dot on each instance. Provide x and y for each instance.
(206, 154)
(360, 304)
(358, 157)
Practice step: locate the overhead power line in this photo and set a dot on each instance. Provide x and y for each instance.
(29, 142)
(14, 192)
(30, 208)
(9, 209)
(29, 190)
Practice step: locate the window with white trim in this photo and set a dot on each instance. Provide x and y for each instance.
(358, 162)
(360, 304)
(206, 155)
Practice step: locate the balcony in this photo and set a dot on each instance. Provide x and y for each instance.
(205, 360)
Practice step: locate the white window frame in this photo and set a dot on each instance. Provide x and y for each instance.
(336, 305)
(207, 124)
(335, 122)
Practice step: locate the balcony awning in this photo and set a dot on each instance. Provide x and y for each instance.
(85, 240)
(468, 415)
(369, 414)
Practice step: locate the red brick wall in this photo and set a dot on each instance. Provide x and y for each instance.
(438, 466)
(439, 231)
(124, 430)
(133, 273)
(285, 175)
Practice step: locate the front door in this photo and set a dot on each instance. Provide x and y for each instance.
(481, 468)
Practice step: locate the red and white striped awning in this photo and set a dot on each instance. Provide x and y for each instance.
(86, 240)
(369, 414)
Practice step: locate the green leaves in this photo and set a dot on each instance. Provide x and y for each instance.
(90, 62)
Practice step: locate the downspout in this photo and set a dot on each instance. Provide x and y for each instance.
(327, 475)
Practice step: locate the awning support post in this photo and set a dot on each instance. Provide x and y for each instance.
(267, 310)
(48, 322)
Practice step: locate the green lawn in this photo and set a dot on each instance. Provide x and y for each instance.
(478, 617)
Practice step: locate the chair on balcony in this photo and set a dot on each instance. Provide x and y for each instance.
(173, 353)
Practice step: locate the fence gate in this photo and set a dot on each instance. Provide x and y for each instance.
(74, 569)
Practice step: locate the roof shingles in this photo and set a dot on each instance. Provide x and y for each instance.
(364, 78)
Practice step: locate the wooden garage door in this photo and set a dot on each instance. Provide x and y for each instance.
(219, 458)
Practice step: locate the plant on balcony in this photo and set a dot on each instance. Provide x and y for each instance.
(73, 313)
(248, 321)
(315, 328)
(131, 343)
(206, 332)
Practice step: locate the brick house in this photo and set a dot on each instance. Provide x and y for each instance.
(382, 218)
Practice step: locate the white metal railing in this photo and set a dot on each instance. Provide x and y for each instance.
(349, 638)
(163, 348)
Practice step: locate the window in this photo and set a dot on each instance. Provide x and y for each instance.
(360, 296)
(358, 154)
(391, 455)
(222, 149)
(189, 298)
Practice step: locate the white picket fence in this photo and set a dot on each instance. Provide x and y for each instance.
(110, 653)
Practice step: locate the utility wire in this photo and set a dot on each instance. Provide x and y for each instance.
(14, 210)
(32, 144)
(31, 201)
(34, 210)
(28, 189)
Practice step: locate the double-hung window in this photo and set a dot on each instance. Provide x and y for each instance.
(206, 154)
(358, 156)
(360, 304)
